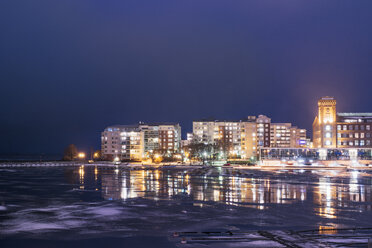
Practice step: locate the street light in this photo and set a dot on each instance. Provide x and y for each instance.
(81, 155)
(96, 155)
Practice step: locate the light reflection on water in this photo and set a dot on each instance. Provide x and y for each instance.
(232, 190)
(326, 195)
(126, 201)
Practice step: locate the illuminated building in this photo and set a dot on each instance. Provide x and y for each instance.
(249, 139)
(135, 142)
(324, 125)
(122, 142)
(244, 138)
(225, 134)
(354, 130)
(170, 137)
(284, 135)
(340, 130)
(189, 139)
(263, 131)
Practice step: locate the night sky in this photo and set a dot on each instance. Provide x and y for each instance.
(70, 68)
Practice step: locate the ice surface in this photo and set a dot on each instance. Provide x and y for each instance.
(87, 201)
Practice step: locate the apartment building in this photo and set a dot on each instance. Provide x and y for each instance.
(225, 134)
(263, 130)
(249, 139)
(244, 138)
(136, 142)
(122, 142)
(284, 135)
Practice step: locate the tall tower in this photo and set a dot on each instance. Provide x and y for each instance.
(324, 125)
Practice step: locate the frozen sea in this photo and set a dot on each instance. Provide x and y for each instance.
(94, 206)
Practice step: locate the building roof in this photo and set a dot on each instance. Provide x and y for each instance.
(211, 119)
(120, 127)
(215, 120)
(327, 98)
(133, 126)
(355, 114)
(159, 123)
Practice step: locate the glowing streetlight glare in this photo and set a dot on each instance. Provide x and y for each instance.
(96, 155)
(81, 155)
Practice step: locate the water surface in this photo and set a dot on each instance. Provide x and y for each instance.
(86, 205)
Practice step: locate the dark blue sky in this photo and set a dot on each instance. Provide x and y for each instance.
(70, 68)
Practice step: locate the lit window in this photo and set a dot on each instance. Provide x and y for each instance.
(328, 127)
(328, 135)
(328, 143)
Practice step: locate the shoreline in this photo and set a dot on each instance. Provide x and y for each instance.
(34, 164)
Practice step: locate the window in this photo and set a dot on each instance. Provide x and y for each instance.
(362, 127)
(356, 127)
(356, 143)
(356, 135)
(362, 135)
(345, 127)
(328, 135)
(368, 142)
(328, 127)
(328, 143)
(368, 135)
(362, 143)
(368, 127)
(338, 127)
(350, 127)
(350, 143)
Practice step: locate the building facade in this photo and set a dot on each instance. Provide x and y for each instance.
(137, 142)
(122, 142)
(340, 130)
(324, 125)
(354, 130)
(284, 135)
(244, 138)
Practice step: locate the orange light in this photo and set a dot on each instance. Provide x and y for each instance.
(81, 155)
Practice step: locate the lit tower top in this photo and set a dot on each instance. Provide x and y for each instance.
(327, 110)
